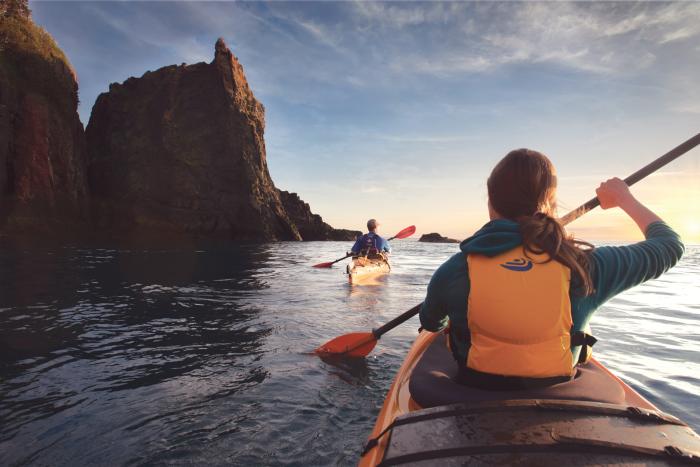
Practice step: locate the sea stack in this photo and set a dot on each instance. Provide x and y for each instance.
(181, 150)
(42, 148)
(436, 238)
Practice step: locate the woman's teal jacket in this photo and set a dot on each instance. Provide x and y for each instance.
(614, 269)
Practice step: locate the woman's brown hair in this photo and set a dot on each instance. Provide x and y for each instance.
(522, 187)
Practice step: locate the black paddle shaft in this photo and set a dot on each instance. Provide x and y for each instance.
(396, 321)
(673, 154)
(340, 259)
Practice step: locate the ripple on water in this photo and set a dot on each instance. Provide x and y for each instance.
(201, 354)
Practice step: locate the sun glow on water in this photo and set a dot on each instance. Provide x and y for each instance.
(691, 227)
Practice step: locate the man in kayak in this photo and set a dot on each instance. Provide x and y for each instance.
(519, 296)
(371, 243)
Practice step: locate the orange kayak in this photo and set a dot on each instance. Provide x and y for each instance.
(361, 270)
(596, 419)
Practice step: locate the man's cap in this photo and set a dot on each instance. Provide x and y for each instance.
(372, 224)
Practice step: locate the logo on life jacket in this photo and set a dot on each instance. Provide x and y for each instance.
(519, 265)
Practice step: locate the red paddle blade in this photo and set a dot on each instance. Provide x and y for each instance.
(356, 344)
(323, 265)
(407, 232)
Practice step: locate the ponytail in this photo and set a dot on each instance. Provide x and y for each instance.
(545, 234)
(522, 187)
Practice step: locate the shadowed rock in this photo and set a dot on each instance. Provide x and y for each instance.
(181, 150)
(436, 238)
(178, 151)
(42, 150)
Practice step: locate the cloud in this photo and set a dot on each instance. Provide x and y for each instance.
(318, 32)
(605, 38)
(153, 29)
(687, 107)
(399, 16)
(683, 33)
(314, 53)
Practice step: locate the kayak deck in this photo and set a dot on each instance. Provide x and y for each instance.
(527, 431)
(537, 432)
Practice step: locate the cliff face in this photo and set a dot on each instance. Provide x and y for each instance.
(310, 225)
(181, 150)
(42, 149)
(177, 151)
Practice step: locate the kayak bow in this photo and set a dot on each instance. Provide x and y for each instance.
(427, 419)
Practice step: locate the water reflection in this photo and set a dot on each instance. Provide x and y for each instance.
(126, 354)
(147, 326)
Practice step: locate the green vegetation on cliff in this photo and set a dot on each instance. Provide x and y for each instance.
(28, 54)
(19, 33)
(15, 9)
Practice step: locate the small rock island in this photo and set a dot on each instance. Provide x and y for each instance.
(436, 238)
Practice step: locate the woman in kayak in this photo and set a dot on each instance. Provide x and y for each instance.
(520, 295)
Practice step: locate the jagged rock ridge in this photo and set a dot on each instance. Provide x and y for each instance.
(311, 226)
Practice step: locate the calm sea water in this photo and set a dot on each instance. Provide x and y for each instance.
(200, 354)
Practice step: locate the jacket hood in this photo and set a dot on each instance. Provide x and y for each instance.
(493, 238)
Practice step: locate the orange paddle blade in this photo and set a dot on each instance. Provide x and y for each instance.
(356, 344)
(407, 232)
(327, 265)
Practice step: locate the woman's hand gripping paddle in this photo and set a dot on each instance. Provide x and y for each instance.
(407, 232)
(360, 344)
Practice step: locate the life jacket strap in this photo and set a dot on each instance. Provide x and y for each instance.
(586, 341)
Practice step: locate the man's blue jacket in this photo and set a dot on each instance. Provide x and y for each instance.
(371, 240)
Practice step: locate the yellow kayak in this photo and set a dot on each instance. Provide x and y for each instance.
(362, 269)
(595, 419)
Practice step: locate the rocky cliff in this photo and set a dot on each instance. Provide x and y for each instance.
(42, 148)
(178, 151)
(181, 150)
(310, 225)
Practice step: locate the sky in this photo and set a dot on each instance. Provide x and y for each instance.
(399, 110)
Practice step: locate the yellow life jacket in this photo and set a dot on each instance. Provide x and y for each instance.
(519, 315)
